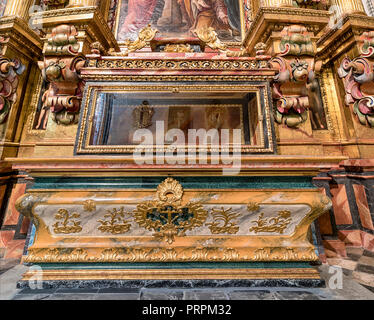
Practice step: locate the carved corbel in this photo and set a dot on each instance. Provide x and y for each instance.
(10, 70)
(55, 4)
(61, 68)
(296, 72)
(358, 76)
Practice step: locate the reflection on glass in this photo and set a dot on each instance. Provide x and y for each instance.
(117, 116)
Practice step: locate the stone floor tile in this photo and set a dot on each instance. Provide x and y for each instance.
(369, 261)
(354, 253)
(155, 294)
(368, 253)
(71, 296)
(344, 263)
(364, 278)
(205, 295)
(251, 295)
(117, 296)
(296, 295)
(41, 296)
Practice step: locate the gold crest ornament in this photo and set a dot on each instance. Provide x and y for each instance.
(166, 215)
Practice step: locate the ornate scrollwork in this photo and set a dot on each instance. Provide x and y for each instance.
(116, 224)
(210, 37)
(296, 71)
(358, 76)
(61, 68)
(166, 215)
(10, 70)
(178, 48)
(224, 221)
(275, 224)
(145, 36)
(68, 224)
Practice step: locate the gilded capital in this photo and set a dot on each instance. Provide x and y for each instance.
(18, 8)
(349, 6)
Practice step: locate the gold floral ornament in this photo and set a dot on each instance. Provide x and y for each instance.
(180, 48)
(117, 223)
(166, 215)
(276, 225)
(89, 206)
(68, 224)
(210, 37)
(223, 221)
(253, 207)
(145, 35)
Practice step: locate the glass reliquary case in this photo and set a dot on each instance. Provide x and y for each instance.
(118, 118)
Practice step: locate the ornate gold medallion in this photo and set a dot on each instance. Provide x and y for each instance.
(166, 215)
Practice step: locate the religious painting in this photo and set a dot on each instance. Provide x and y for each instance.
(179, 18)
(2, 7)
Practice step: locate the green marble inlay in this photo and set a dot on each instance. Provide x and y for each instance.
(238, 182)
(179, 265)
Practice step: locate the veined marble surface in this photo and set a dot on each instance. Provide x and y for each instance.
(245, 219)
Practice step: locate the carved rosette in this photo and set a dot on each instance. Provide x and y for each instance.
(358, 76)
(296, 71)
(61, 68)
(10, 70)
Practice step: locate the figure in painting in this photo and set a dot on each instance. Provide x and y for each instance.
(139, 14)
(201, 14)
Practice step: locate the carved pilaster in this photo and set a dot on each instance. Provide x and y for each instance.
(349, 6)
(358, 77)
(296, 70)
(64, 50)
(60, 68)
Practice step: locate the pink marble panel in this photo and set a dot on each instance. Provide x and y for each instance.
(340, 204)
(12, 215)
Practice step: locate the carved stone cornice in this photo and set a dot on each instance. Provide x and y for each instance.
(88, 21)
(336, 42)
(269, 20)
(18, 35)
